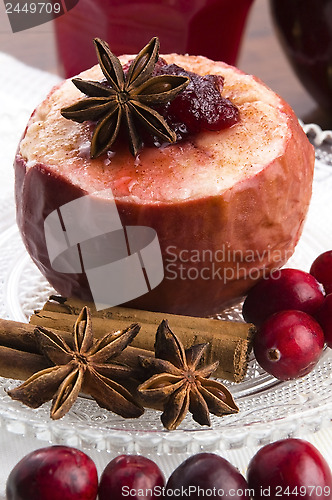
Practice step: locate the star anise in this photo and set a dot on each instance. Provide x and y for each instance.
(179, 384)
(86, 364)
(125, 98)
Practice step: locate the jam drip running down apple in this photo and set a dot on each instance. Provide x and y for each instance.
(200, 106)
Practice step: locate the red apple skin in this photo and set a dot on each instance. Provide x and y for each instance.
(263, 214)
(290, 468)
(53, 473)
(130, 473)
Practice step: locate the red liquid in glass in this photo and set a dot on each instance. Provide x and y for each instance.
(304, 28)
(212, 28)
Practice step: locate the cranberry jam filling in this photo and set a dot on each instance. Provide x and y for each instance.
(200, 106)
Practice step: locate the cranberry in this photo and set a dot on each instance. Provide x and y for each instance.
(290, 468)
(199, 106)
(206, 473)
(321, 269)
(324, 318)
(131, 475)
(53, 473)
(289, 344)
(283, 289)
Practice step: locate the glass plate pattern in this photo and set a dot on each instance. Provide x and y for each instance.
(269, 409)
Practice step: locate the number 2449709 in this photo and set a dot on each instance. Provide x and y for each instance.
(33, 8)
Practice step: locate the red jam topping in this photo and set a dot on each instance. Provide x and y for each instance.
(200, 106)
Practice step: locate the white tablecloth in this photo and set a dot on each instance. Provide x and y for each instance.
(21, 89)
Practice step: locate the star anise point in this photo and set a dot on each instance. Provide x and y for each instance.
(87, 364)
(180, 384)
(125, 99)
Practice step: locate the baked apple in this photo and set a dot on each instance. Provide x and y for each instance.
(228, 205)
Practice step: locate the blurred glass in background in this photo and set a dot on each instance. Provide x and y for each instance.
(211, 28)
(304, 28)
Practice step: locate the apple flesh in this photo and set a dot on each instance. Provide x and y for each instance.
(53, 473)
(227, 206)
(290, 468)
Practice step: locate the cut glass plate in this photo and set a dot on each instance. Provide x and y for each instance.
(269, 409)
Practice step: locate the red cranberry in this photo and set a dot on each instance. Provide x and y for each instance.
(283, 289)
(321, 269)
(205, 473)
(131, 475)
(324, 318)
(53, 473)
(290, 468)
(289, 344)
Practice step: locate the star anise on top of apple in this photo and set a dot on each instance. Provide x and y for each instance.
(180, 383)
(89, 365)
(126, 98)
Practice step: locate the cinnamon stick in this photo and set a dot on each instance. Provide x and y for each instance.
(20, 339)
(230, 342)
(20, 364)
